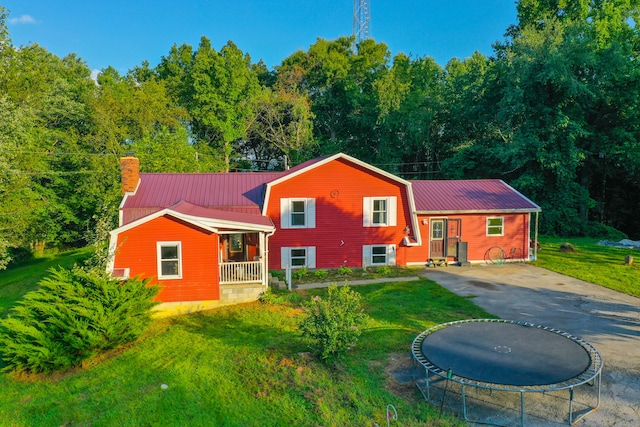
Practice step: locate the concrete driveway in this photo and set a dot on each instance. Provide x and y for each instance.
(610, 321)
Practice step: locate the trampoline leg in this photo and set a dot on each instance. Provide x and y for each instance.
(522, 409)
(594, 409)
(466, 418)
(426, 396)
(464, 405)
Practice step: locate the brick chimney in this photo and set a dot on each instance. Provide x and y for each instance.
(130, 173)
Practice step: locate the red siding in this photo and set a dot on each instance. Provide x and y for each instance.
(338, 218)
(137, 251)
(474, 232)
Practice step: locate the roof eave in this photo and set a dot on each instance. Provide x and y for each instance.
(477, 211)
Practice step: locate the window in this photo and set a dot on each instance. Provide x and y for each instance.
(298, 213)
(437, 229)
(298, 257)
(379, 211)
(236, 243)
(378, 255)
(495, 226)
(169, 260)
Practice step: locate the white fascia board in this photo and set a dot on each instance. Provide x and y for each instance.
(158, 214)
(325, 161)
(484, 211)
(245, 226)
(207, 224)
(415, 224)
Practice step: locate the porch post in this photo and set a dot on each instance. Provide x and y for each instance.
(263, 241)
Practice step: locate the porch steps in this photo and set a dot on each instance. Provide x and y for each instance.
(274, 282)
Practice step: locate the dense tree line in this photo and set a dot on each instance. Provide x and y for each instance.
(554, 112)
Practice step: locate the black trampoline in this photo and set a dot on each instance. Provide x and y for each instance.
(509, 356)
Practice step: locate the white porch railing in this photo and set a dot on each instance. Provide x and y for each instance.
(241, 272)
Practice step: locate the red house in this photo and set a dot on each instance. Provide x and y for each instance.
(210, 239)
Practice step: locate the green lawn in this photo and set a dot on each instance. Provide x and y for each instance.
(593, 263)
(246, 365)
(18, 280)
(242, 366)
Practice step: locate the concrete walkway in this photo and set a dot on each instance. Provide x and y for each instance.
(609, 320)
(357, 282)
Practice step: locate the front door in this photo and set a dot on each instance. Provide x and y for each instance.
(444, 237)
(437, 247)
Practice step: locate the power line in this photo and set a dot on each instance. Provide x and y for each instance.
(88, 172)
(55, 153)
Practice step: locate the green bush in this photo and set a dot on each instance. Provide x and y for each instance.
(333, 325)
(320, 274)
(383, 270)
(73, 316)
(344, 270)
(300, 273)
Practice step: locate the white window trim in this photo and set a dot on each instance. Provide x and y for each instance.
(367, 255)
(367, 211)
(285, 257)
(494, 226)
(159, 246)
(309, 212)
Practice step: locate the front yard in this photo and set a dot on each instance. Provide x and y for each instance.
(244, 365)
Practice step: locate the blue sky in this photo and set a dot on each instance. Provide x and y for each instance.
(123, 33)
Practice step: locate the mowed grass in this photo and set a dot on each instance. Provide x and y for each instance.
(602, 265)
(18, 280)
(246, 365)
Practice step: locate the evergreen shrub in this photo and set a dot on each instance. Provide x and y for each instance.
(73, 315)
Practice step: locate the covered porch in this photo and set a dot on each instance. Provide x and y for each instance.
(243, 258)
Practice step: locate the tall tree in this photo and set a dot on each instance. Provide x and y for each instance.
(224, 87)
(409, 102)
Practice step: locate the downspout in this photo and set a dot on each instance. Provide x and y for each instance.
(265, 264)
(535, 240)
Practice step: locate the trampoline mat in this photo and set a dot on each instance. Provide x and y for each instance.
(505, 353)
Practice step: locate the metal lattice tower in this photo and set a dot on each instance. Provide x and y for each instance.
(361, 20)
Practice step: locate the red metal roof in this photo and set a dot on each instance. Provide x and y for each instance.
(469, 195)
(243, 192)
(190, 209)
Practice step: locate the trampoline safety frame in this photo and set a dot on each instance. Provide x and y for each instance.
(591, 376)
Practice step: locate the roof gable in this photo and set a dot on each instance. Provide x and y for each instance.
(482, 195)
(205, 218)
(315, 163)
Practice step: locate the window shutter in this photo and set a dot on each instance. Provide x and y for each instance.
(366, 255)
(391, 254)
(366, 211)
(393, 210)
(285, 214)
(311, 213)
(285, 254)
(311, 257)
